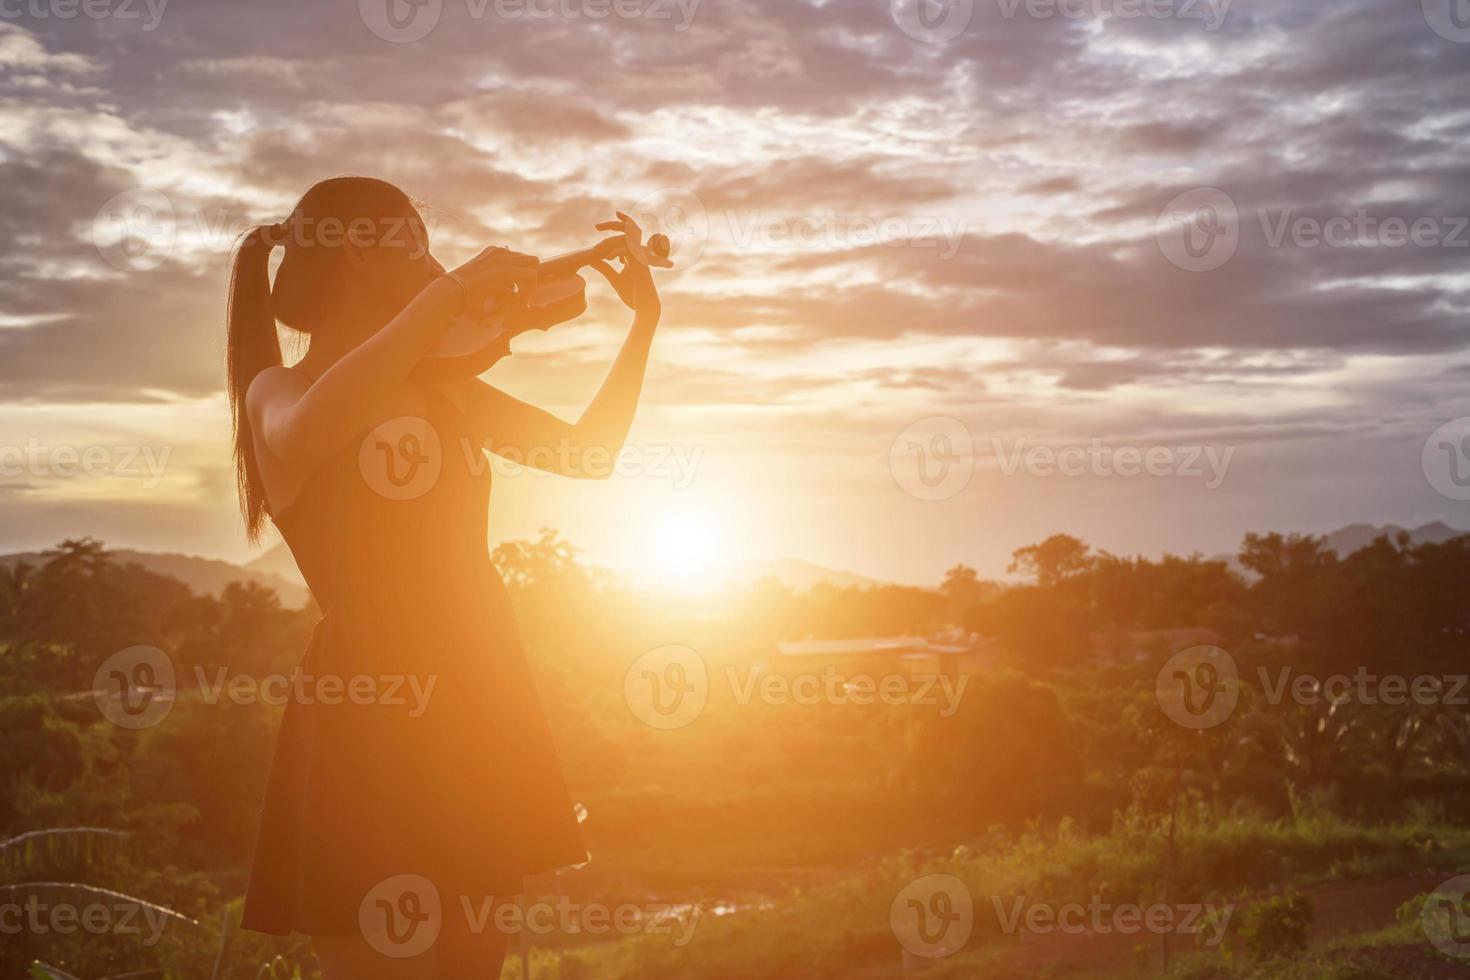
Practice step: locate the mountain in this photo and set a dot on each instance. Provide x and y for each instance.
(798, 574)
(277, 560)
(206, 576)
(795, 573)
(1356, 537)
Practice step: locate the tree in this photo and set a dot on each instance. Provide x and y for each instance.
(1058, 558)
(549, 561)
(963, 590)
(1297, 592)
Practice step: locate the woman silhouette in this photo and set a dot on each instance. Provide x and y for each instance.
(414, 775)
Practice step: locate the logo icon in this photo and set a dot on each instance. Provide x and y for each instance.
(933, 459)
(933, 916)
(400, 21)
(401, 458)
(401, 916)
(1199, 687)
(1446, 459)
(667, 687)
(1199, 230)
(932, 21)
(679, 213)
(134, 688)
(1450, 19)
(1446, 917)
(134, 231)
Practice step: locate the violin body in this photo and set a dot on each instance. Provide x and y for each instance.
(473, 344)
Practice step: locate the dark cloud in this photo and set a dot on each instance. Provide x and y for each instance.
(1057, 140)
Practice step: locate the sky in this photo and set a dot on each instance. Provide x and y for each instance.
(950, 276)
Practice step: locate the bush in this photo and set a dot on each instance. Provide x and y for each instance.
(1277, 926)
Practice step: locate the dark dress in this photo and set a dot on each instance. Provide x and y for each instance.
(468, 793)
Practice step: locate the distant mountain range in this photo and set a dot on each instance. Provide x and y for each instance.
(277, 561)
(797, 574)
(276, 569)
(206, 576)
(793, 572)
(1356, 537)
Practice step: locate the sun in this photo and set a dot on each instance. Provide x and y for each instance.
(688, 546)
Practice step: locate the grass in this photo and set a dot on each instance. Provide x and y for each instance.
(843, 929)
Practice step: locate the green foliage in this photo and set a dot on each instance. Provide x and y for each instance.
(1277, 926)
(1055, 776)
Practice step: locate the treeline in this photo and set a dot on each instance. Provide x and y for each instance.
(1345, 680)
(1065, 724)
(1393, 607)
(60, 619)
(1393, 602)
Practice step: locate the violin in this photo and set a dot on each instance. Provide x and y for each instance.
(473, 343)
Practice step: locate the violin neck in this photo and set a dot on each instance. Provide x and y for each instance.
(560, 266)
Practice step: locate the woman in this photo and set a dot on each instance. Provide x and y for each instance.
(392, 818)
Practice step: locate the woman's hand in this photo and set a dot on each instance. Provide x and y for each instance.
(632, 282)
(497, 275)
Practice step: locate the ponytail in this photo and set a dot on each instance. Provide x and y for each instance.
(251, 347)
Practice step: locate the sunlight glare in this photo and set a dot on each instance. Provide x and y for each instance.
(688, 547)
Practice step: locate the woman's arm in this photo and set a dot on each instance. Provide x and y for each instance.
(304, 422)
(587, 448)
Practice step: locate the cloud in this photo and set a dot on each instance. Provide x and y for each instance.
(1049, 145)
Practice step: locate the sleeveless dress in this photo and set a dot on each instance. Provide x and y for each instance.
(413, 742)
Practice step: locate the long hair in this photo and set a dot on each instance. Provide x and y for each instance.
(307, 285)
(251, 346)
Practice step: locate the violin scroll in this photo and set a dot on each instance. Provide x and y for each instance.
(478, 339)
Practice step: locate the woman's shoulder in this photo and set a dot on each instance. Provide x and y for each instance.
(275, 382)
